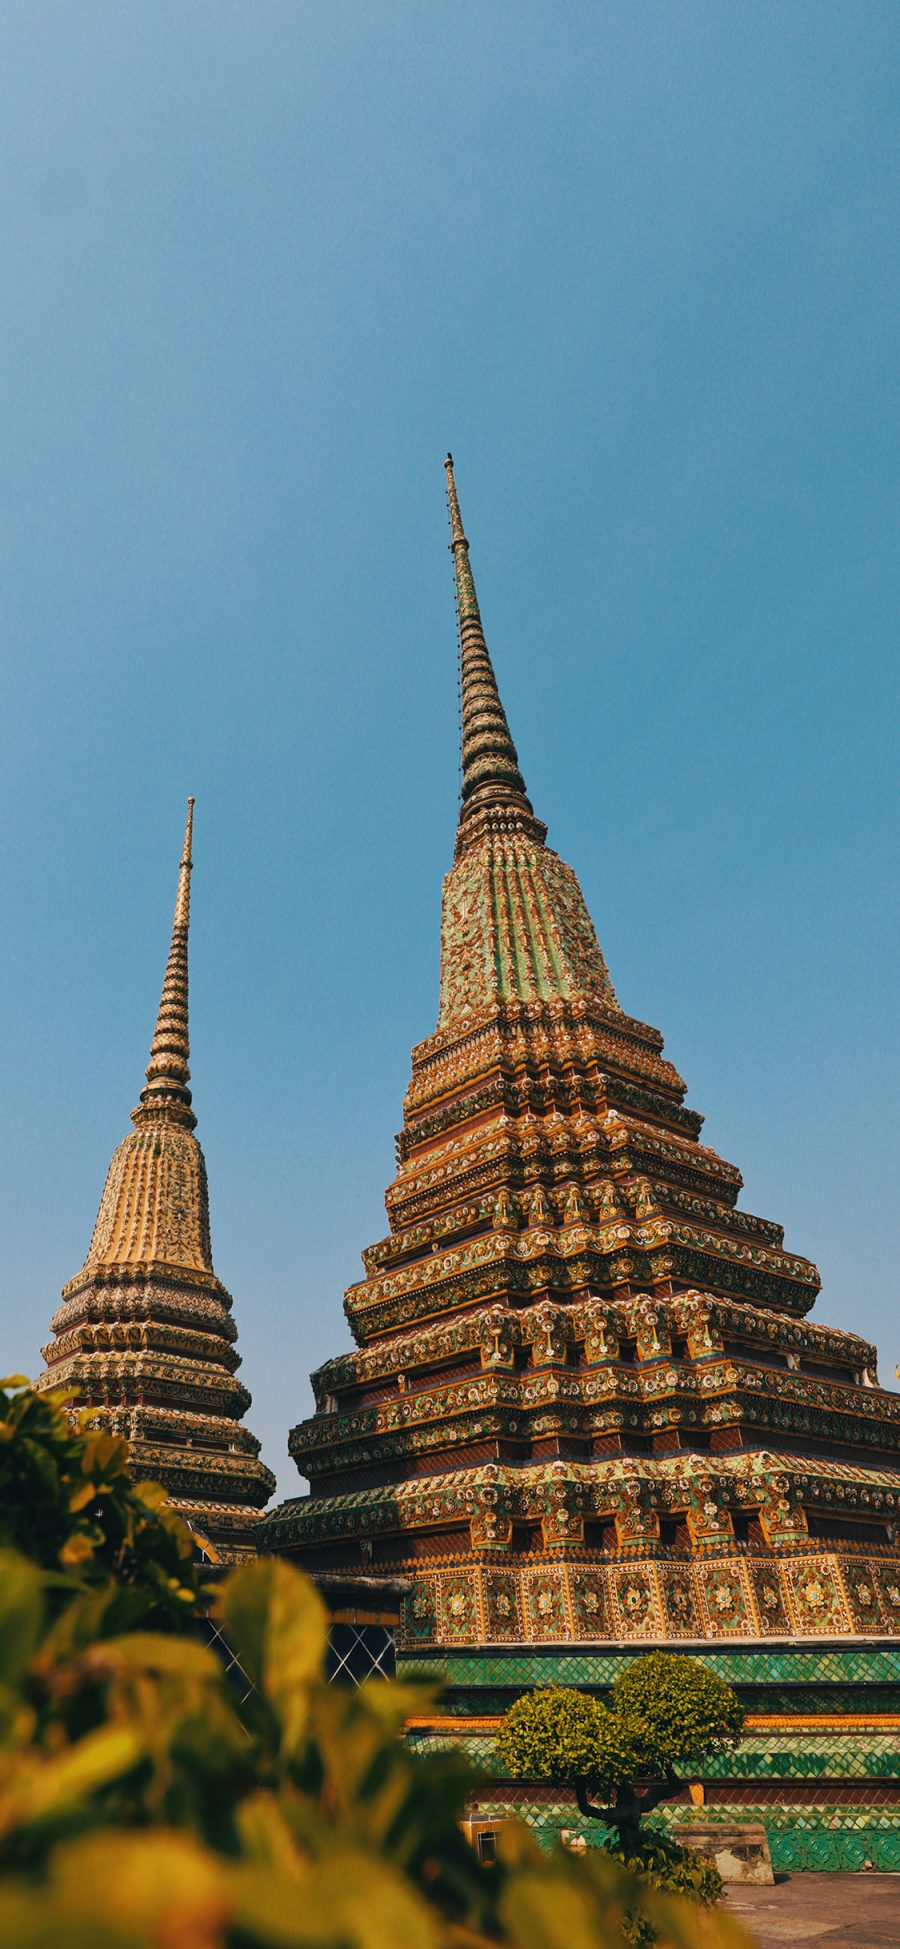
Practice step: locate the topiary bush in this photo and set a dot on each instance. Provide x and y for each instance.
(667, 1712)
(678, 1711)
(555, 1733)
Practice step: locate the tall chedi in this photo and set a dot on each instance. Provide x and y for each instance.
(586, 1411)
(145, 1332)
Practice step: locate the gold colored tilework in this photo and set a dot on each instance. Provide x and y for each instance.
(718, 1599)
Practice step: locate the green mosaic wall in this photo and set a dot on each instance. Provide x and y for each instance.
(821, 1839)
(818, 1835)
(853, 1680)
(863, 1665)
(801, 1755)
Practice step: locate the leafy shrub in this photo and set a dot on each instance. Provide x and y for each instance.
(661, 1861)
(679, 1712)
(555, 1733)
(667, 1868)
(666, 1711)
(148, 1802)
(67, 1502)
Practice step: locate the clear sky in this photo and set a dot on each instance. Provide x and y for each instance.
(636, 263)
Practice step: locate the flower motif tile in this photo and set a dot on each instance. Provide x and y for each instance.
(459, 1609)
(886, 1577)
(725, 1599)
(503, 1612)
(680, 1602)
(636, 1602)
(590, 1609)
(816, 1597)
(546, 1611)
(863, 1594)
(419, 1616)
(772, 1614)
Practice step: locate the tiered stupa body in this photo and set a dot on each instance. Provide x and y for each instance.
(586, 1411)
(145, 1332)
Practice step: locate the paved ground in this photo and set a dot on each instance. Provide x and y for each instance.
(839, 1911)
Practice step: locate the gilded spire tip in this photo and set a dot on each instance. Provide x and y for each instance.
(457, 536)
(490, 764)
(166, 1097)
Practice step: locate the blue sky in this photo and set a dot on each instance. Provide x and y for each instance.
(636, 264)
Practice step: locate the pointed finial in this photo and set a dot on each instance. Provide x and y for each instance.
(456, 526)
(490, 764)
(166, 1097)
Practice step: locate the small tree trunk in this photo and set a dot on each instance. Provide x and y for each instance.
(630, 1807)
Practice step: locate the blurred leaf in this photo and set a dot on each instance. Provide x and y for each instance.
(277, 1624)
(391, 1703)
(80, 1497)
(561, 1910)
(686, 1925)
(151, 1494)
(150, 1651)
(41, 1785)
(516, 1845)
(162, 1887)
(21, 1614)
(78, 1549)
(266, 1834)
(351, 1901)
(33, 1918)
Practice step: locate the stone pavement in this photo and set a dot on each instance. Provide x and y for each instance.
(839, 1911)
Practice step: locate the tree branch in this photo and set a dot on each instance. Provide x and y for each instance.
(665, 1789)
(629, 1806)
(625, 1813)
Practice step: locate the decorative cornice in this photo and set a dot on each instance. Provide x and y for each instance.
(492, 1332)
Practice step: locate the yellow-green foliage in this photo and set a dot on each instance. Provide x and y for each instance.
(666, 1712)
(148, 1800)
(678, 1712)
(661, 1861)
(555, 1733)
(67, 1503)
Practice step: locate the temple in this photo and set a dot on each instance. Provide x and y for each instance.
(145, 1332)
(587, 1411)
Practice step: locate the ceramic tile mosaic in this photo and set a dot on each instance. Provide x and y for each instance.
(845, 1665)
(817, 1839)
(805, 1597)
(848, 1752)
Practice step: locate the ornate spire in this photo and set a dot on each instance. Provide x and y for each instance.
(144, 1334)
(490, 763)
(166, 1097)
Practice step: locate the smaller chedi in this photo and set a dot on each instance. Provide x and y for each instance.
(145, 1332)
